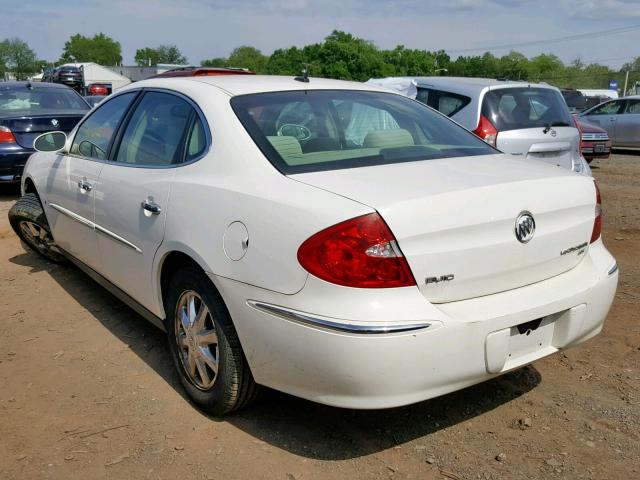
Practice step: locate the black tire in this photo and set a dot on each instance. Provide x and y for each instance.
(234, 386)
(28, 211)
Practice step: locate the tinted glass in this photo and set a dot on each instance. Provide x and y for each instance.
(517, 108)
(156, 131)
(574, 99)
(633, 106)
(445, 102)
(94, 135)
(317, 130)
(40, 100)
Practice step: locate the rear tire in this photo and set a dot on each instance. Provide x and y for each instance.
(28, 220)
(205, 346)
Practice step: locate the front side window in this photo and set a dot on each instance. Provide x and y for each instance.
(156, 131)
(609, 108)
(94, 135)
(525, 107)
(314, 130)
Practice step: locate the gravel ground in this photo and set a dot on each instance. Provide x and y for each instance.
(87, 390)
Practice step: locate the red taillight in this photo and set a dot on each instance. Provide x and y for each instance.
(486, 131)
(361, 252)
(575, 122)
(597, 223)
(98, 90)
(6, 136)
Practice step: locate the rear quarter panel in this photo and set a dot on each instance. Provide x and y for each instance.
(234, 182)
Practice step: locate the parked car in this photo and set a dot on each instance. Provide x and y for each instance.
(520, 118)
(27, 110)
(70, 76)
(594, 142)
(94, 100)
(575, 100)
(620, 118)
(202, 72)
(332, 240)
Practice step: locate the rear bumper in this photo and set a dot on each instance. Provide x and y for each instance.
(595, 149)
(12, 161)
(465, 342)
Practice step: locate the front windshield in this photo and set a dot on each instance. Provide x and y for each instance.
(40, 100)
(315, 130)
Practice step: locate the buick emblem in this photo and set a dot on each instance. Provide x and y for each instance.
(525, 227)
(55, 122)
(553, 133)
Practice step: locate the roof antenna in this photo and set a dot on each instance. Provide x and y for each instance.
(305, 74)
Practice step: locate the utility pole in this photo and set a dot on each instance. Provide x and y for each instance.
(626, 80)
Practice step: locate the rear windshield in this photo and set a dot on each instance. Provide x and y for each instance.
(315, 130)
(574, 99)
(40, 100)
(526, 107)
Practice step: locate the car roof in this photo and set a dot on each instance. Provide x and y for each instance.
(473, 85)
(247, 84)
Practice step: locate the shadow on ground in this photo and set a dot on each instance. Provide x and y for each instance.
(9, 191)
(301, 427)
(627, 151)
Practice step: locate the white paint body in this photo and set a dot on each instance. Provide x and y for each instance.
(449, 216)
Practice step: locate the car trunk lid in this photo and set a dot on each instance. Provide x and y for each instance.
(555, 145)
(454, 219)
(27, 127)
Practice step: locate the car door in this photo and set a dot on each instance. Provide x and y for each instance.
(628, 125)
(605, 116)
(134, 189)
(71, 184)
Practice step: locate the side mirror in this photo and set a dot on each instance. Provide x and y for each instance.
(50, 142)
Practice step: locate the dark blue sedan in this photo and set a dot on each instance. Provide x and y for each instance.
(28, 110)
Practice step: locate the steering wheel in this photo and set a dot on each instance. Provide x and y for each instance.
(299, 132)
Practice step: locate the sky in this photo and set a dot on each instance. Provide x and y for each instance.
(205, 29)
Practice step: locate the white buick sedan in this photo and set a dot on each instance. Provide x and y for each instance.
(328, 239)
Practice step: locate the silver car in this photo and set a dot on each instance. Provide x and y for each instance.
(520, 118)
(620, 118)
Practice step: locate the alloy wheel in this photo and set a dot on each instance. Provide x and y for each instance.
(197, 340)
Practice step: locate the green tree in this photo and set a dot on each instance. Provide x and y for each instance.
(215, 62)
(162, 54)
(99, 49)
(248, 57)
(16, 57)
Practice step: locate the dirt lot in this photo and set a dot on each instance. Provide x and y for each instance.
(87, 390)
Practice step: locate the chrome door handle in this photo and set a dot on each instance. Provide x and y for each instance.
(84, 186)
(151, 206)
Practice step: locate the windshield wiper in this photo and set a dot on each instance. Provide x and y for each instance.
(554, 124)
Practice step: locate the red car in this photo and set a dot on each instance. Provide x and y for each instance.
(203, 72)
(594, 141)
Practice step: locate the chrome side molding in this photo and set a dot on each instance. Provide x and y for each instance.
(333, 325)
(94, 226)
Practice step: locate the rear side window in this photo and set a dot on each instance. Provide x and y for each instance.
(526, 107)
(94, 135)
(156, 131)
(633, 106)
(447, 103)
